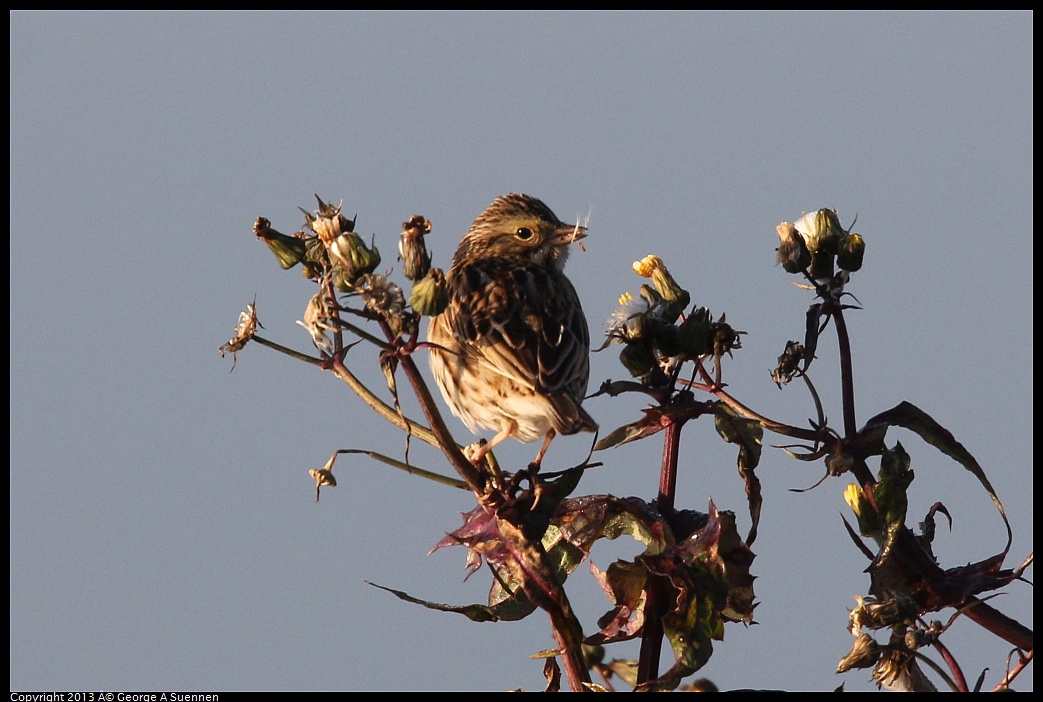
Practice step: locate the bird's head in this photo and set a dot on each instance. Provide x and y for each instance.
(519, 227)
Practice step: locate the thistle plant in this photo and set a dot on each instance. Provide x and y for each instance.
(692, 574)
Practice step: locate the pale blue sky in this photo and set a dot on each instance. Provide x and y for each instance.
(164, 533)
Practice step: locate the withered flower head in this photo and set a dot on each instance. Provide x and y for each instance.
(412, 250)
(724, 337)
(792, 252)
(324, 476)
(788, 363)
(631, 320)
(898, 671)
(821, 230)
(244, 331)
(351, 258)
(875, 614)
(328, 222)
(864, 654)
(317, 318)
(385, 298)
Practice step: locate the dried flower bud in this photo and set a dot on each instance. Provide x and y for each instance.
(792, 252)
(328, 222)
(724, 338)
(875, 614)
(850, 251)
(352, 258)
(412, 250)
(864, 654)
(324, 476)
(288, 250)
(317, 316)
(788, 363)
(244, 332)
(430, 294)
(898, 671)
(386, 299)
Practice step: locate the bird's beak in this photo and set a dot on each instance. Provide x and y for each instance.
(568, 233)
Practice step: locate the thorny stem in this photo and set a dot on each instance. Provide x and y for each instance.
(668, 472)
(545, 590)
(566, 628)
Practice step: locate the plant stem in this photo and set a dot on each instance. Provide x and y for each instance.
(472, 476)
(382, 408)
(571, 659)
(652, 635)
(288, 351)
(668, 471)
(847, 381)
(1022, 663)
(747, 413)
(954, 667)
(992, 620)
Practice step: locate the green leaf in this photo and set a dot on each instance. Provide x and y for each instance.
(646, 426)
(889, 492)
(811, 331)
(908, 416)
(581, 521)
(747, 434)
(711, 584)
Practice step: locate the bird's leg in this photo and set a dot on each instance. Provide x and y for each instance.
(535, 465)
(534, 469)
(506, 431)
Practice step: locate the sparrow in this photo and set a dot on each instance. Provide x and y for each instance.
(510, 353)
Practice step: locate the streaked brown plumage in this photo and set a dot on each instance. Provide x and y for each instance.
(511, 351)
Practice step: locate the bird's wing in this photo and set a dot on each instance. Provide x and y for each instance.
(525, 322)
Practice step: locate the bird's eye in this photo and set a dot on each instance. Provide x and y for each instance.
(523, 233)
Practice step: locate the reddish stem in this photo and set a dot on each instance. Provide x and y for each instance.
(652, 635)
